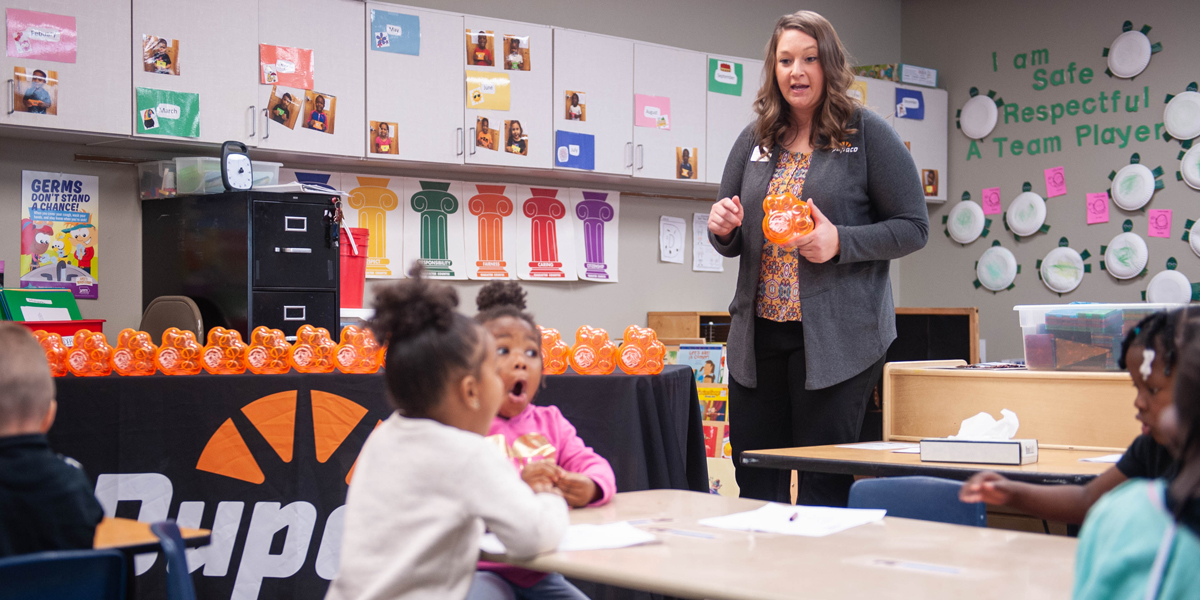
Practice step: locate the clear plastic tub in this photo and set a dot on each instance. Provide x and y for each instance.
(202, 174)
(1081, 336)
(266, 173)
(156, 179)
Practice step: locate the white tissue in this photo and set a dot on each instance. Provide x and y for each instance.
(983, 427)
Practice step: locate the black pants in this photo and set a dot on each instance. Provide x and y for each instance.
(780, 413)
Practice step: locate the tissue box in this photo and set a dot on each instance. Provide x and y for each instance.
(990, 452)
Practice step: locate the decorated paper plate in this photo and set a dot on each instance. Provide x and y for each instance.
(1132, 187)
(1189, 167)
(1194, 238)
(1182, 116)
(1169, 287)
(966, 222)
(997, 268)
(1126, 255)
(1129, 54)
(978, 116)
(1026, 214)
(1062, 270)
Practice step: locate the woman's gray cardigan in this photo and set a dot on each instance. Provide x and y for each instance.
(869, 189)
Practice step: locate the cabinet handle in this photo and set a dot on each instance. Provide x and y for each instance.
(472, 139)
(11, 107)
(641, 155)
(294, 317)
(293, 250)
(458, 139)
(628, 154)
(266, 125)
(295, 223)
(254, 120)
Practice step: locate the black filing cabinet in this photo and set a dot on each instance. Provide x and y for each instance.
(245, 258)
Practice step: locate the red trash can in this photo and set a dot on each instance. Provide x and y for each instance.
(354, 266)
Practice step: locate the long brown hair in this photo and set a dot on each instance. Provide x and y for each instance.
(831, 121)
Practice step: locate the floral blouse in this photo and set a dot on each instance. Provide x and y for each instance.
(778, 280)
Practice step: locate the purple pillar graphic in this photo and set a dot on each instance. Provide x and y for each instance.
(594, 211)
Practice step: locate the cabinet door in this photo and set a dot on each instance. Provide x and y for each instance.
(419, 95)
(330, 29)
(927, 140)
(678, 75)
(227, 85)
(599, 70)
(91, 93)
(728, 113)
(529, 90)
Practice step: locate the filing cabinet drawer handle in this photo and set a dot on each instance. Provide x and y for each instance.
(294, 250)
(289, 313)
(295, 223)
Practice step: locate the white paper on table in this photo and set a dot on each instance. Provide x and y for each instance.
(879, 446)
(809, 521)
(671, 233)
(914, 450)
(704, 256)
(1107, 458)
(45, 313)
(584, 537)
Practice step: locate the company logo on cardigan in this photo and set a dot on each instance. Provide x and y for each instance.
(845, 147)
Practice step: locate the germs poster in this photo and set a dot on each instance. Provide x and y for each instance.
(60, 222)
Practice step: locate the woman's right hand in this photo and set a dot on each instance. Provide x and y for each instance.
(987, 487)
(724, 217)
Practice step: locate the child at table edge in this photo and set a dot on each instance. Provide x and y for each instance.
(426, 482)
(1156, 338)
(1142, 540)
(539, 441)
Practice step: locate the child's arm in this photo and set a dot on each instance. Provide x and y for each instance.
(526, 522)
(1066, 503)
(575, 456)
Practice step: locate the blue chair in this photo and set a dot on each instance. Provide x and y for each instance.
(179, 580)
(924, 498)
(64, 575)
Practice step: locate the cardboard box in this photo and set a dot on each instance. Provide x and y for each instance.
(900, 73)
(988, 452)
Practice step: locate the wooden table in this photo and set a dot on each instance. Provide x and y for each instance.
(894, 558)
(1053, 466)
(133, 537)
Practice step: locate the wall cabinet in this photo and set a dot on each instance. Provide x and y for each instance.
(228, 87)
(727, 114)
(599, 69)
(93, 92)
(680, 76)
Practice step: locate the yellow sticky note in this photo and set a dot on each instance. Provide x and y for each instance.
(858, 91)
(487, 91)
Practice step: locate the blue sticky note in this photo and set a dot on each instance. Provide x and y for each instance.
(575, 150)
(397, 33)
(910, 104)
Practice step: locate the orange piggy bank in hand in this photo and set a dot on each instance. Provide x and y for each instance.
(555, 352)
(313, 351)
(358, 352)
(56, 351)
(179, 353)
(593, 353)
(225, 353)
(134, 354)
(90, 356)
(268, 352)
(787, 218)
(642, 353)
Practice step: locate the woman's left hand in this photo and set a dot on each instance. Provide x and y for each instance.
(822, 244)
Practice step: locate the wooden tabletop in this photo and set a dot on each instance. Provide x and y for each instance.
(1053, 465)
(894, 558)
(135, 536)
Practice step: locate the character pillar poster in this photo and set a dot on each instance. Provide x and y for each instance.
(375, 204)
(60, 232)
(596, 215)
(491, 230)
(433, 227)
(545, 234)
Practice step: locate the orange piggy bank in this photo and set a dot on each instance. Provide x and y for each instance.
(555, 352)
(134, 354)
(90, 355)
(179, 353)
(268, 352)
(225, 352)
(787, 218)
(313, 351)
(593, 353)
(358, 352)
(642, 353)
(56, 351)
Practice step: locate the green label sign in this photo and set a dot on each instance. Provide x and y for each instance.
(164, 112)
(724, 77)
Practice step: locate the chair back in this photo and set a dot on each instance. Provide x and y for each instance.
(165, 312)
(924, 498)
(64, 575)
(179, 580)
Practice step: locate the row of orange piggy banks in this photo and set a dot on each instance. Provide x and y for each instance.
(268, 352)
(594, 354)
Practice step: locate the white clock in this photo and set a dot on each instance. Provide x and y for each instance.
(237, 172)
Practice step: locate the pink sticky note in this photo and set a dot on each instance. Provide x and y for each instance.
(991, 201)
(651, 111)
(40, 36)
(1056, 182)
(1097, 208)
(1160, 222)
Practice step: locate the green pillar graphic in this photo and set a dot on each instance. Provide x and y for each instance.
(435, 203)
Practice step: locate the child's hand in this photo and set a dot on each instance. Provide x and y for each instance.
(541, 475)
(578, 490)
(988, 487)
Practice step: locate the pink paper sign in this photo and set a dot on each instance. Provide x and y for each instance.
(991, 201)
(41, 36)
(1097, 208)
(1056, 182)
(651, 111)
(1160, 222)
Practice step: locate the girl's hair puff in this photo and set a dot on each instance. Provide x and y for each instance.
(502, 299)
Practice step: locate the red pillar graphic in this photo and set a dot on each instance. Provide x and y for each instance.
(543, 211)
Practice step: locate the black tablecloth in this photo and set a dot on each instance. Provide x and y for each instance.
(154, 443)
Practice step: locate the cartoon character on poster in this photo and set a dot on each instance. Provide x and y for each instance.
(489, 236)
(59, 232)
(376, 200)
(546, 236)
(433, 228)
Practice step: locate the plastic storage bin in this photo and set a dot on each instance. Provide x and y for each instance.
(202, 174)
(1079, 337)
(156, 179)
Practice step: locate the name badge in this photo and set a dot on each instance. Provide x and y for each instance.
(758, 156)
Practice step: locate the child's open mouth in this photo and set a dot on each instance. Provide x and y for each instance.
(517, 393)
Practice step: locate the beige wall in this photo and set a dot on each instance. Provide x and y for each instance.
(958, 39)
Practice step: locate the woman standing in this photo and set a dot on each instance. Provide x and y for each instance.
(806, 381)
